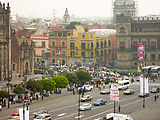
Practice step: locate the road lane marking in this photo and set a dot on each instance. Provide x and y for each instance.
(62, 114)
(65, 116)
(79, 116)
(97, 119)
(116, 107)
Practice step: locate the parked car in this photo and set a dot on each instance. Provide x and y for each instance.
(39, 113)
(100, 102)
(105, 91)
(155, 90)
(15, 116)
(85, 106)
(129, 92)
(43, 117)
(87, 87)
(86, 98)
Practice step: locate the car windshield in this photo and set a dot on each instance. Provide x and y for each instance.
(40, 112)
(39, 117)
(154, 89)
(99, 100)
(85, 104)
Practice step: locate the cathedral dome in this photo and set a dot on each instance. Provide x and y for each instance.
(124, 2)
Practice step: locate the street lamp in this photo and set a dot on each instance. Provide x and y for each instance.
(79, 91)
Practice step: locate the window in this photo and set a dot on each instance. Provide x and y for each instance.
(144, 43)
(53, 60)
(72, 53)
(109, 43)
(88, 45)
(72, 45)
(153, 57)
(83, 54)
(105, 44)
(43, 44)
(14, 67)
(134, 45)
(101, 44)
(101, 52)
(91, 45)
(63, 53)
(153, 45)
(83, 36)
(105, 52)
(83, 45)
(97, 45)
(53, 52)
(159, 57)
(63, 62)
(122, 30)
(53, 44)
(63, 44)
(91, 53)
(97, 53)
(122, 45)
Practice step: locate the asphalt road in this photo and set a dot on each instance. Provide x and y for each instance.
(65, 107)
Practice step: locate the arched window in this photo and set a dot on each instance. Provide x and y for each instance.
(122, 30)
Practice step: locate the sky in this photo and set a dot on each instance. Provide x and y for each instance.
(78, 8)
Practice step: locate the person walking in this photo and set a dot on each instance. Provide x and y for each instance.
(155, 97)
(119, 108)
(0, 107)
(73, 91)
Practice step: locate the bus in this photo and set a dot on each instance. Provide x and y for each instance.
(123, 84)
(155, 70)
(147, 70)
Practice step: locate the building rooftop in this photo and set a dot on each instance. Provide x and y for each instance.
(103, 32)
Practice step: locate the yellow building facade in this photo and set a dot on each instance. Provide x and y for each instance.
(85, 47)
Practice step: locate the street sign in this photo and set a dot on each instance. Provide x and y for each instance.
(114, 92)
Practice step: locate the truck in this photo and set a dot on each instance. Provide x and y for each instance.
(116, 116)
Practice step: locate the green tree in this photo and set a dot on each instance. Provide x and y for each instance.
(48, 84)
(34, 86)
(73, 24)
(61, 81)
(3, 94)
(18, 90)
(83, 77)
(72, 78)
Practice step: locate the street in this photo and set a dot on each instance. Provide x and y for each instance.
(65, 107)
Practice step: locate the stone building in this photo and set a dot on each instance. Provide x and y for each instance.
(126, 7)
(134, 31)
(5, 42)
(58, 45)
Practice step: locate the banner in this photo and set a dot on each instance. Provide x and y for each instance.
(114, 92)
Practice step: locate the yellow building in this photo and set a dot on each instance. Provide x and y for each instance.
(85, 47)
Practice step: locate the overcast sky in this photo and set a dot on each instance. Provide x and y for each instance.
(79, 8)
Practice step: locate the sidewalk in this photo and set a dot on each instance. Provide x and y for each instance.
(12, 106)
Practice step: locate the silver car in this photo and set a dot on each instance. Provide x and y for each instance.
(43, 117)
(105, 91)
(85, 106)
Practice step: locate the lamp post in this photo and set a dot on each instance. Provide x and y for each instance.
(79, 91)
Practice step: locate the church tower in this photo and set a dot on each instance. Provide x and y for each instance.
(66, 17)
(125, 7)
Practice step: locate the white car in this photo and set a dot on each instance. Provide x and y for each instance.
(43, 117)
(87, 87)
(105, 91)
(85, 106)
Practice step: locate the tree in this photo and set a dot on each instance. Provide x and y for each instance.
(83, 77)
(18, 90)
(73, 24)
(72, 78)
(34, 86)
(61, 81)
(48, 84)
(3, 94)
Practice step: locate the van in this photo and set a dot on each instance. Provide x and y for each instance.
(123, 84)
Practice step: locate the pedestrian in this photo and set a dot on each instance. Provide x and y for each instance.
(0, 107)
(73, 91)
(31, 99)
(119, 108)
(37, 97)
(155, 97)
(42, 96)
